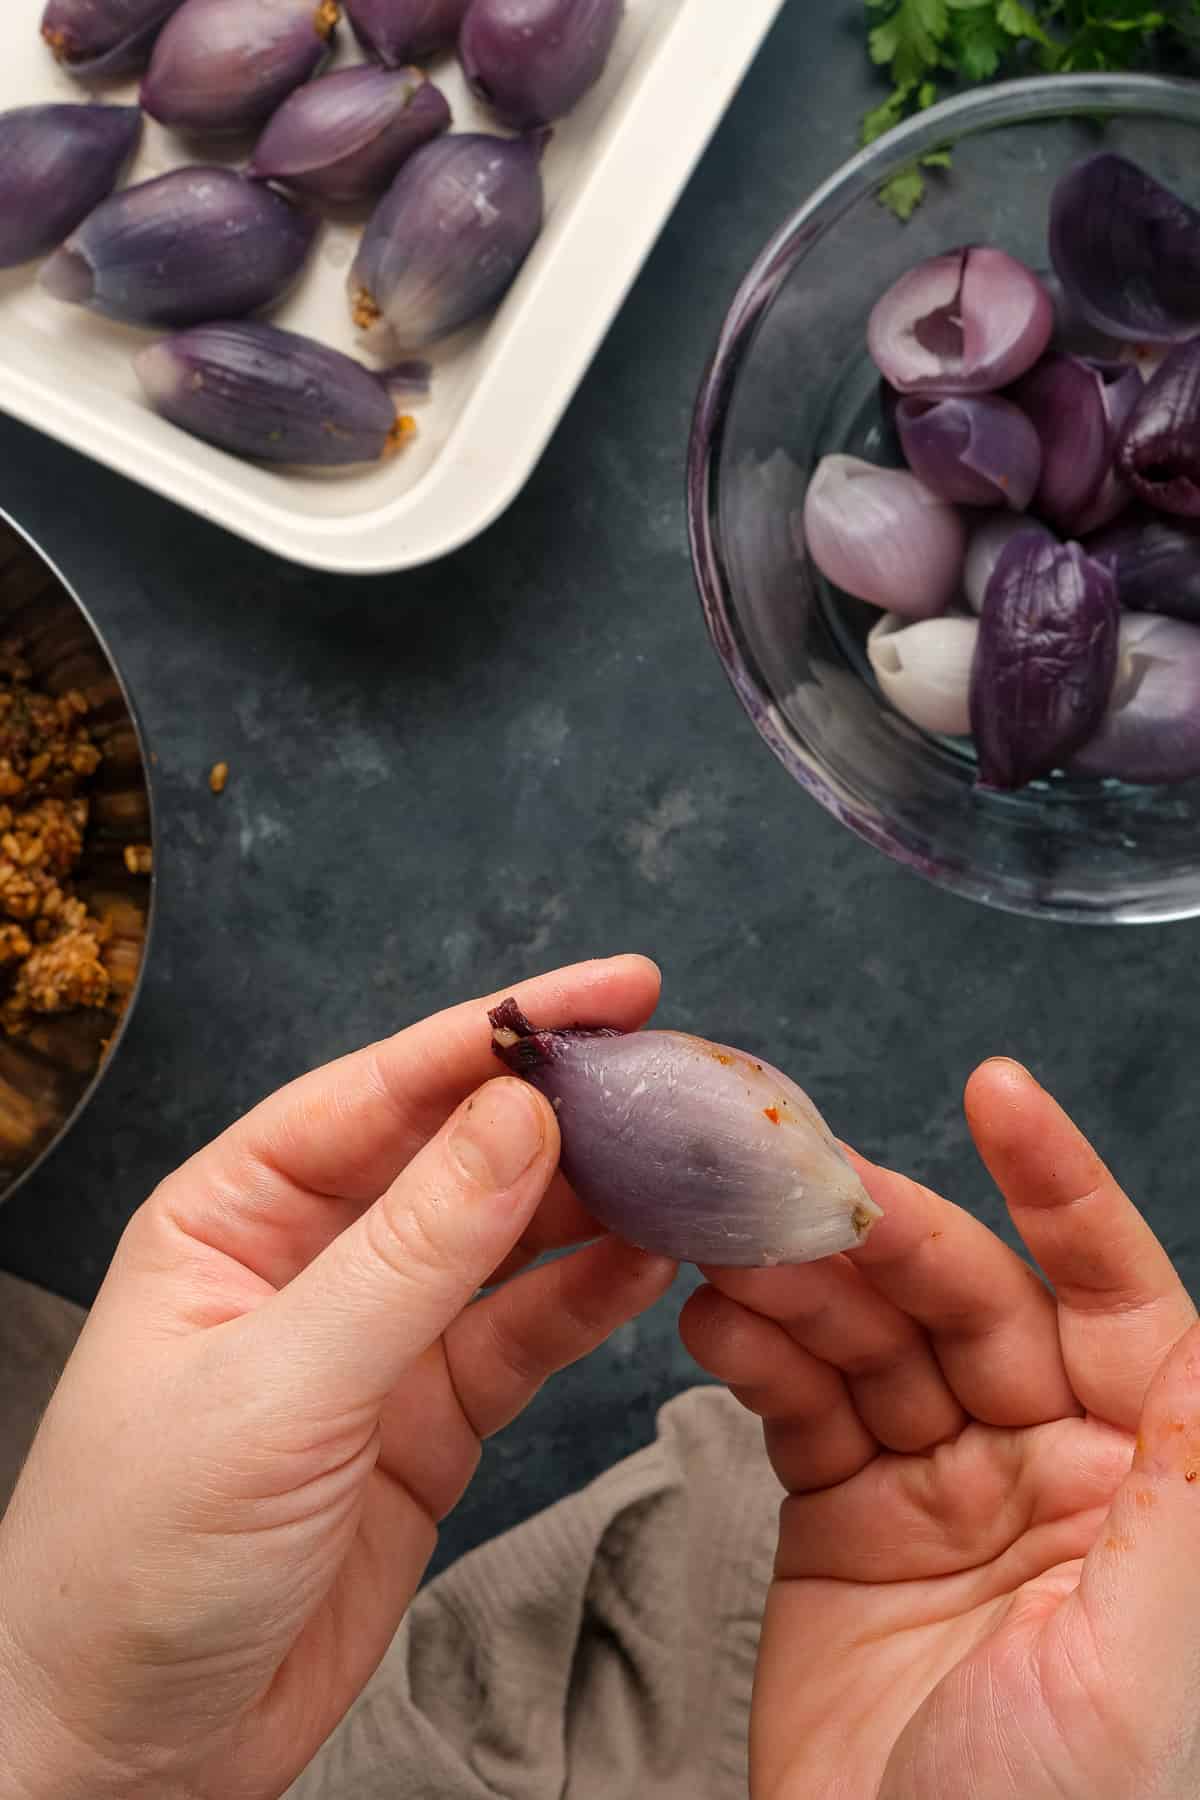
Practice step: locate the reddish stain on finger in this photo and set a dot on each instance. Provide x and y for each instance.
(1170, 1447)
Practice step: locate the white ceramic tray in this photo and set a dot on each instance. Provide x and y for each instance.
(613, 172)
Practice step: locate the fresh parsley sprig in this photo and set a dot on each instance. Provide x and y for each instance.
(928, 45)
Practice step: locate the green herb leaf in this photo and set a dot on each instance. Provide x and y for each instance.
(885, 116)
(1019, 22)
(918, 41)
(904, 192)
(978, 42)
(909, 42)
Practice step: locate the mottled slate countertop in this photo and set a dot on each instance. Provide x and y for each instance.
(528, 754)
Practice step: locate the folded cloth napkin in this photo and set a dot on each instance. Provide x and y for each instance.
(604, 1650)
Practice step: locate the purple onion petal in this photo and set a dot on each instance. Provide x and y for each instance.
(224, 66)
(396, 32)
(973, 449)
(1150, 732)
(1159, 449)
(690, 1148)
(881, 536)
(272, 395)
(1127, 251)
(532, 61)
(968, 322)
(56, 164)
(194, 245)
(448, 238)
(410, 380)
(344, 136)
(1079, 407)
(1156, 562)
(1114, 498)
(1046, 659)
(102, 39)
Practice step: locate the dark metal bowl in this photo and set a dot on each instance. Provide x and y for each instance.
(48, 1076)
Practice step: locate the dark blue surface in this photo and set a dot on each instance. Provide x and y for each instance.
(528, 754)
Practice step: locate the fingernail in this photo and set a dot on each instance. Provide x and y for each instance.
(499, 1133)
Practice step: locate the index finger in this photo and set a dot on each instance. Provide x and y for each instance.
(1121, 1305)
(292, 1174)
(990, 1319)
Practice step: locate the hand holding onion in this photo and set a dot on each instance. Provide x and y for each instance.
(281, 1390)
(987, 1581)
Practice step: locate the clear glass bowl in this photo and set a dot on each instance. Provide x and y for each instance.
(789, 382)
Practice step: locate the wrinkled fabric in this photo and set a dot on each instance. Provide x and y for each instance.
(604, 1650)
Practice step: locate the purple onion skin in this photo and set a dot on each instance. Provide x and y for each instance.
(344, 137)
(223, 66)
(196, 245)
(395, 32)
(532, 61)
(56, 164)
(103, 39)
(972, 449)
(689, 1148)
(1150, 733)
(1155, 561)
(448, 238)
(1159, 449)
(1079, 406)
(1127, 251)
(271, 395)
(1045, 661)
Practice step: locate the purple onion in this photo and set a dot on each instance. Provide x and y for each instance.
(1150, 731)
(272, 395)
(1045, 662)
(967, 322)
(1156, 563)
(98, 39)
(396, 32)
(881, 536)
(223, 65)
(973, 449)
(447, 240)
(344, 136)
(1159, 449)
(532, 61)
(1127, 250)
(689, 1148)
(56, 164)
(1079, 407)
(194, 245)
(988, 538)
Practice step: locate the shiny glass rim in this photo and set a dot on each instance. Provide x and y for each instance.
(962, 116)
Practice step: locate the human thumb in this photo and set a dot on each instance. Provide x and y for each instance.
(349, 1325)
(1140, 1583)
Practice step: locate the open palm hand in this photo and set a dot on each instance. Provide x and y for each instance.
(989, 1553)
